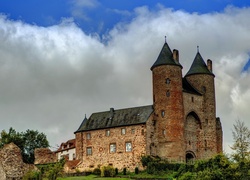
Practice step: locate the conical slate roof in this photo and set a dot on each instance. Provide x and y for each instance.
(198, 66)
(165, 57)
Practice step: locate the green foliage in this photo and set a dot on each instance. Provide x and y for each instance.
(26, 141)
(124, 171)
(187, 176)
(53, 170)
(97, 171)
(32, 175)
(241, 137)
(116, 171)
(145, 160)
(107, 171)
(136, 170)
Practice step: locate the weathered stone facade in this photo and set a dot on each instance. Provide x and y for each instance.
(180, 126)
(44, 156)
(12, 166)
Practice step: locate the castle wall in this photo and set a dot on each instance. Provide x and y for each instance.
(207, 112)
(101, 150)
(168, 114)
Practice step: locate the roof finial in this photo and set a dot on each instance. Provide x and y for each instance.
(85, 116)
(165, 39)
(197, 48)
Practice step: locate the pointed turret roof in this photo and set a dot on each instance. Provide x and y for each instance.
(198, 66)
(165, 57)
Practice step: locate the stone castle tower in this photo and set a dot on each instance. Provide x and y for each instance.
(184, 108)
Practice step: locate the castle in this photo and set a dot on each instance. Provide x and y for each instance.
(180, 126)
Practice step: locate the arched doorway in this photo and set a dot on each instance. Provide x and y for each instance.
(190, 157)
(192, 134)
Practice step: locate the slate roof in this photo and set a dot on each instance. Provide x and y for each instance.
(187, 87)
(198, 66)
(165, 57)
(116, 118)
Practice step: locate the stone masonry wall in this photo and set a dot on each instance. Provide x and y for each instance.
(168, 114)
(11, 163)
(100, 144)
(44, 156)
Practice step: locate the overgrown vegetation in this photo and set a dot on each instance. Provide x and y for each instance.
(27, 141)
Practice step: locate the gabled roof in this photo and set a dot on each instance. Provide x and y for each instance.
(70, 144)
(187, 87)
(198, 66)
(165, 57)
(116, 118)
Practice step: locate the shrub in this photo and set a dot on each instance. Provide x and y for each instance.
(97, 171)
(116, 171)
(32, 175)
(107, 171)
(136, 170)
(187, 176)
(124, 171)
(145, 160)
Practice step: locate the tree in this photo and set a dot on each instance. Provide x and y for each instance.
(241, 137)
(27, 141)
(32, 140)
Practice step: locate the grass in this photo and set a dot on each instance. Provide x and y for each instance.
(90, 177)
(120, 176)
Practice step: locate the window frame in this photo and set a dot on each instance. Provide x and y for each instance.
(127, 148)
(110, 148)
(89, 151)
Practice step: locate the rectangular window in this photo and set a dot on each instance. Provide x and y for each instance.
(107, 132)
(88, 136)
(132, 131)
(89, 151)
(123, 131)
(128, 146)
(112, 147)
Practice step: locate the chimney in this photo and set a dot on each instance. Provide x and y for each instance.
(209, 65)
(176, 55)
(112, 112)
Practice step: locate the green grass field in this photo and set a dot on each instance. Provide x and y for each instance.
(91, 177)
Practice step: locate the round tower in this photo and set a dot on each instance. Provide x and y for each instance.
(201, 77)
(168, 104)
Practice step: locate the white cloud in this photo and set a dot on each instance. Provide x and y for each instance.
(51, 77)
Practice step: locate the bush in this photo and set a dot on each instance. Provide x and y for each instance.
(124, 171)
(136, 170)
(97, 171)
(187, 176)
(116, 171)
(32, 175)
(145, 160)
(107, 171)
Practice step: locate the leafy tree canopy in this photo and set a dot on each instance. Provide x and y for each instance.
(27, 141)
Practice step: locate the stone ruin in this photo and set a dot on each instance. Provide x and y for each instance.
(44, 156)
(12, 166)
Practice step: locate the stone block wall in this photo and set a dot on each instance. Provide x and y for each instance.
(12, 166)
(100, 144)
(44, 156)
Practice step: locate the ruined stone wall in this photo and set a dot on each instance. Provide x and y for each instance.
(101, 153)
(11, 163)
(44, 156)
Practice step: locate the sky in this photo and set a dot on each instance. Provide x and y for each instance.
(61, 60)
